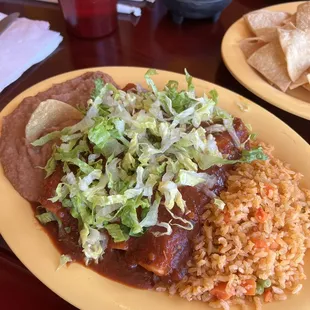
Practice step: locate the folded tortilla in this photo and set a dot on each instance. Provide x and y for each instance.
(270, 62)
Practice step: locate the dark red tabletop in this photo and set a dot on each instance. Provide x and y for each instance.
(151, 41)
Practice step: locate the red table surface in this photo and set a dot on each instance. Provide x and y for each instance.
(151, 41)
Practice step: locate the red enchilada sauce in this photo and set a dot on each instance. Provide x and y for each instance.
(122, 266)
(113, 265)
(165, 255)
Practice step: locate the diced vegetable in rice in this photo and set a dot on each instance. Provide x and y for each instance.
(233, 249)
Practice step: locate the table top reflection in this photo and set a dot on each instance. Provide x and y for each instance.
(153, 40)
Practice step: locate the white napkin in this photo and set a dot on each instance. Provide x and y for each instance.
(128, 9)
(25, 43)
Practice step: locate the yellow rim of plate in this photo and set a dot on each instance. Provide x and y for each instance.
(249, 78)
(84, 288)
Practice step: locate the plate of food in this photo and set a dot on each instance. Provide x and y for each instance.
(267, 52)
(127, 188)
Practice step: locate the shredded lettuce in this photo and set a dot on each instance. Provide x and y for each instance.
(215, 128)
(98, 86)
(214, 95)
(46, 217)
(63, 261)
(165, 225)
(83, 166)
(207, 161)
(228, 123)
(43, 140)
(104, 131)
(253, 154)
(93, 242)
(172, 195)
(129, 156)
(219, 203)
(67, 138)
(116, 232)
(88, 179)
(151, 217)
(190, 85)
(104, 214)
(100, 200)
(50, 167)
(192, 178)
(129, 217)
(149, 80)
(187, 225)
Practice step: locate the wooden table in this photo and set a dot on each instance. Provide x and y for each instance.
(151, 41)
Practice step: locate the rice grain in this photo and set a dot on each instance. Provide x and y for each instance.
(245, 249)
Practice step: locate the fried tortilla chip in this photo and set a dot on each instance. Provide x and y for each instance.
(270, 34)
(306, 86)
(288, 26)
(251, 45)
(20, 160)
(265, 19)
(303, 79)
(296, 47)
(303, 16)
(49, 113)
(267, 34)
(270, 62)
(290, 20)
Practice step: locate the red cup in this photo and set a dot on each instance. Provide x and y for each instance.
(90, 18)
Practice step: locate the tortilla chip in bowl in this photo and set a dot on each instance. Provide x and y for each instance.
(251, 45)
(303, 79)
(263, 19)
(296, 47)
(307, 87)
(270, 62)
(290, 20)
(267, 34)
(302, 16)
(235, 52)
